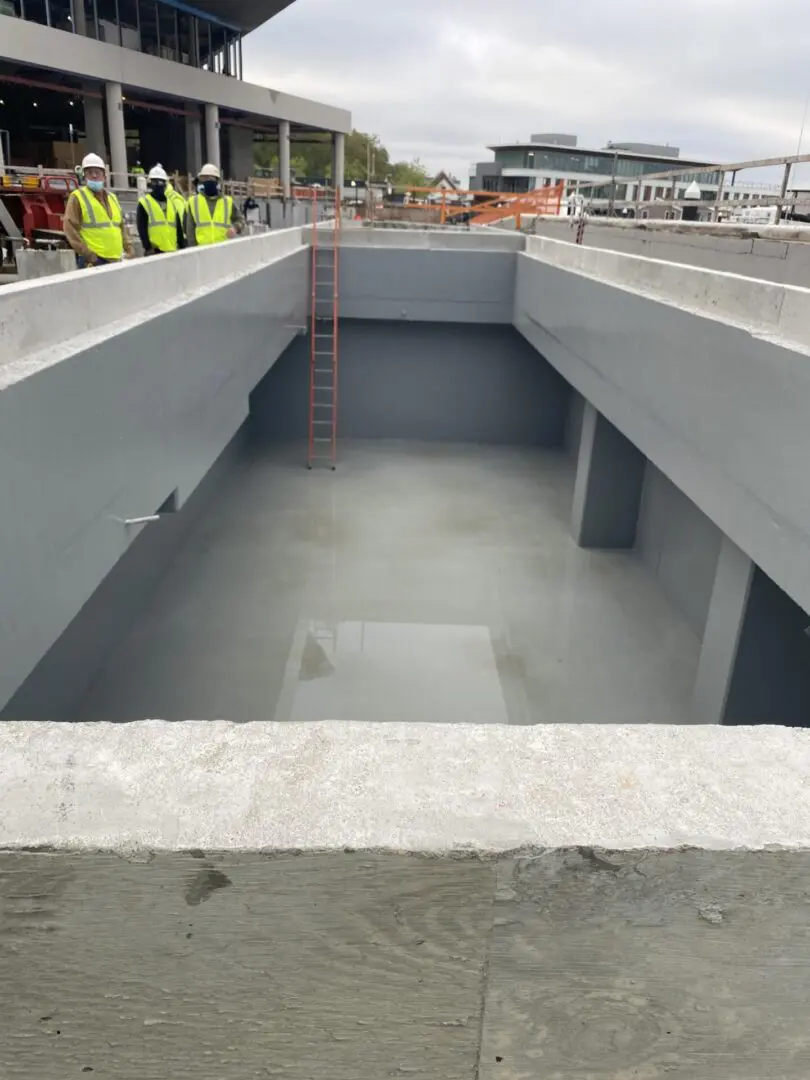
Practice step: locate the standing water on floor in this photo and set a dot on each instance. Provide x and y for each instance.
(419, 582)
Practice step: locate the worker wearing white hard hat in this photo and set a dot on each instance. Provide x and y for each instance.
(93, 223)
(160, 227)
(211, 217)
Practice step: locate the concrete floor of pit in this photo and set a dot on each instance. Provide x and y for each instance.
(418, 582)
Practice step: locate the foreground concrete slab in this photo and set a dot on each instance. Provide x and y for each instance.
(577, 964)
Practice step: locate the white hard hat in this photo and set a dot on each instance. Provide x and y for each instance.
(158, 173)
(93, 161)
(209, 169)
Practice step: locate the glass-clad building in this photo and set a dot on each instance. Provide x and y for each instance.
(623, 168)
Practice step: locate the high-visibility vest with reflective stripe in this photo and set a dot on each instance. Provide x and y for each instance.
(177, 199)
(211, 229)
(162, 223)
(101, 231)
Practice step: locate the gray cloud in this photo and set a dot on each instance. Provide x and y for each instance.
(722, 79)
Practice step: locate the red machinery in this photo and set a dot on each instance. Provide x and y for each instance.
(35, 206)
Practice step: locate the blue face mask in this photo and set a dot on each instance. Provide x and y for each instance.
(95, 185)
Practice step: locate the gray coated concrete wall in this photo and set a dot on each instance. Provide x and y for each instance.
(770, 259)
(457, 383)
(680, 546)
(718, 410)
(117, 424)
(427, 284)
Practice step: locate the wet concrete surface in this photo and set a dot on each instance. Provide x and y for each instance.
(575, 964)
(418, 582)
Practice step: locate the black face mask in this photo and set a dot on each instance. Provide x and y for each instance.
(158, 189)
(211, 188)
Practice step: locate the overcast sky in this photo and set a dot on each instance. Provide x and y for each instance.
(441, 79)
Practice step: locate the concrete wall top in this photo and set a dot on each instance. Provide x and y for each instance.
(451, 239)
(86, 306)
(401, 787)
(30, 43)
(776, 312)
(771, 253)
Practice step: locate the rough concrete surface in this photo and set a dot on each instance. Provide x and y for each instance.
(579, 964)
(401, 787)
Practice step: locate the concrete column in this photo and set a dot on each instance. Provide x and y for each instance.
(118, 140)
(212, 150)
(79, 17)
(240, 153)
(338, 161)
(284, 157)
(94, 125)
(194, 154)
(755, 660)
(721, 638)
(607, 492)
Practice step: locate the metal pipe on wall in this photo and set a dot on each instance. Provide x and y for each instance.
(118, 23)
(95, 20)
(48, 12)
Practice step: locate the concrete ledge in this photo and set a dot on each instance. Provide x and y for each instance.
(100, 302)
(778, 312)
(454, 239)
(401, 787)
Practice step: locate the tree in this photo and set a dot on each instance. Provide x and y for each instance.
(410, 174)
(364, 156)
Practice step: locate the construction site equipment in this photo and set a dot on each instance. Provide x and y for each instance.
(32, 207)
(323, 327)
(481, 207)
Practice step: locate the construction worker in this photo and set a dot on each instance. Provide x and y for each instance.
(139, 173)
(211, 217)
(177, 199)
(93, 222)
(160, 227)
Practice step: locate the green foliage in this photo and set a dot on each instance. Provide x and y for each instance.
(365, 157)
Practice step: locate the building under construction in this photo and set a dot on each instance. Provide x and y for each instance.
(148, 80)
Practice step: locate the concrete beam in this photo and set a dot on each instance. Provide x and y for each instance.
(400, 787)
(29, 43)
(607, 492)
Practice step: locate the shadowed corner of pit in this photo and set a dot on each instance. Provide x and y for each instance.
(204, 884)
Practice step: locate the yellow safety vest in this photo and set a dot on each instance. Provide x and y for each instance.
(177, 199)
(162, 223)
(101, 231)
(211, 229)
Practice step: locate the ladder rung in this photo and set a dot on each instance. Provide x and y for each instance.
(321, 423)
(321, 440)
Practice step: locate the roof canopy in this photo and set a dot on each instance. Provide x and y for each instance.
(246, 14)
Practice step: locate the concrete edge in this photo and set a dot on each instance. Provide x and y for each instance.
(436, 789)
(94, 302)
(778, 312)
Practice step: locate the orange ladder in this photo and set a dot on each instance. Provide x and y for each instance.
(324, 329)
